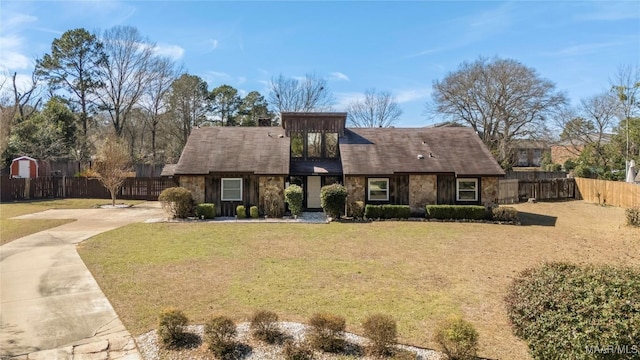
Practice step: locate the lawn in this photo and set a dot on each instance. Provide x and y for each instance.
(418, 272)
(13, 229)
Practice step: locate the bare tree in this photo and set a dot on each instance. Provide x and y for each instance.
(501, 99)
(599, 111)
(112, 164)
(377, 109)
(304, 95)
(125, 74)
(626, 87)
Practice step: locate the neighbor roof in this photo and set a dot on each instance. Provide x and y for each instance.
(259, 150)
(459, 150)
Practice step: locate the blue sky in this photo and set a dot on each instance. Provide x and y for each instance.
(401, 47)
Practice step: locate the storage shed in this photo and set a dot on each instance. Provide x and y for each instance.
(24, 167)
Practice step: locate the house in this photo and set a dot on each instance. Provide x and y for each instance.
(571, 149)
(232, 166)
(529, 153)
(24, 167)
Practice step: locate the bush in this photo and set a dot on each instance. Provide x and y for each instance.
(293, 197)
(552, 167)
(387, 211)
(171, 323)
(333, 199)
(206, 210)
(272, 201)
(569, 165)
(254, 212)
(241, 211)
(633, 216)
(355, 209)
(381, 330)
(584, 171)
(327, 332)
(561, 309)
(456, 212)
(177, 201)
(505, 213)
(293, 351)
(264, 326)
(458, 338)
(220, 332)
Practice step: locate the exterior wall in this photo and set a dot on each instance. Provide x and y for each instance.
(560, 154)
(423, 190)
(266, 181)
(195, 184)
(489, 191)
(356, 186)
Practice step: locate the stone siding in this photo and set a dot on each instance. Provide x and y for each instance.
(355, 194)
(423, 190)
(490, 193)
(196, 185)
(277, 182)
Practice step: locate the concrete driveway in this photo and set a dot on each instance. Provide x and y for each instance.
(50, 305)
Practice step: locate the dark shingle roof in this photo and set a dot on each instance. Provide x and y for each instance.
(259, 150)
(168, 170)
(458, 150)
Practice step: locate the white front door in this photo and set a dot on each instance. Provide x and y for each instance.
(24, 167)
(313, 192)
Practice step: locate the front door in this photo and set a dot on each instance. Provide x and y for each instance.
(313, 192)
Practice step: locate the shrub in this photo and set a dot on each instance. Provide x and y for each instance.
(206, 210)
(458, 338)
(468, 212)
(171, 322)
(387, 211)
(177, 201)
(633, 216)
(272, 201)
(293, 197)
(562, 309)
(552, 167)
(241, 211)
(505, 213)
(333, 199)
(584, 171)
(294, 351)
(264, 326)
(382, 333)
(220, 332)
(254, 212)
(355, 209)
(327, 332)
(569, 165)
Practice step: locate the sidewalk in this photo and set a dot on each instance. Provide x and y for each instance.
(50, 305)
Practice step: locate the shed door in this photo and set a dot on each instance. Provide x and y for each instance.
(24, 168)
(313, 192)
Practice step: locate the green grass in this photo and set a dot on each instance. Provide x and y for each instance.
(11, 229)
(417, 272)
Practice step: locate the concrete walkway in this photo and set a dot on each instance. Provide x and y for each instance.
(50, 305)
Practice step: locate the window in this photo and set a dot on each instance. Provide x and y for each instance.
(314, 145)
(331, 145)
(297, 146)
(467, 190)
(378, 189)
(232, 189)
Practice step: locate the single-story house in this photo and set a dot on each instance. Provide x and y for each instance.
(232, 166)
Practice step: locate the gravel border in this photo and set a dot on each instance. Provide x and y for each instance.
(150, 349)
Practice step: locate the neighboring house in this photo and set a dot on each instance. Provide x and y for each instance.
(571, 149)
(529, 153)
(232, 166)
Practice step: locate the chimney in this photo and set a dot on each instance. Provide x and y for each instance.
(264, 122)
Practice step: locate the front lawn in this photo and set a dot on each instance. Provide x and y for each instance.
(14, 229)
(418, 272)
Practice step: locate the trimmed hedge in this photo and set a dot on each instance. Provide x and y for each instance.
(177, 201)
(456, 212)
(333, 198)
(565, 311)
(387, 211)
(241, 211)
(293, 197)
(206, 210)
(254, 212)
(505, 213)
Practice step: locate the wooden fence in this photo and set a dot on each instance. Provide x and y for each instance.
(605, 192)
(513, 191)
(78, 187)
(508, 190)
(534, 175)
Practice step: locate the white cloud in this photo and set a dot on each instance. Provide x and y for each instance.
(345, 98)
(242, 80)
(339, 76)
(583, 49)
(11, 56)
(408, 95)
(15, 20)
(175, 52)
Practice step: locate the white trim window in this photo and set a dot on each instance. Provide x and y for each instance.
(467, 189)
(378, 189)
(231, 189)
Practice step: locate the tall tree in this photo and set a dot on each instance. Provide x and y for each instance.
(73, 66)
(376, 109)
(501, 99)
(17, 105)
(225, 103)
(253, 107)
(300, 95)
(125, 74)
(188, 104)
(625, 85)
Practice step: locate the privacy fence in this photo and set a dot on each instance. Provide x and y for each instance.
(605, 192)
(48, 187)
